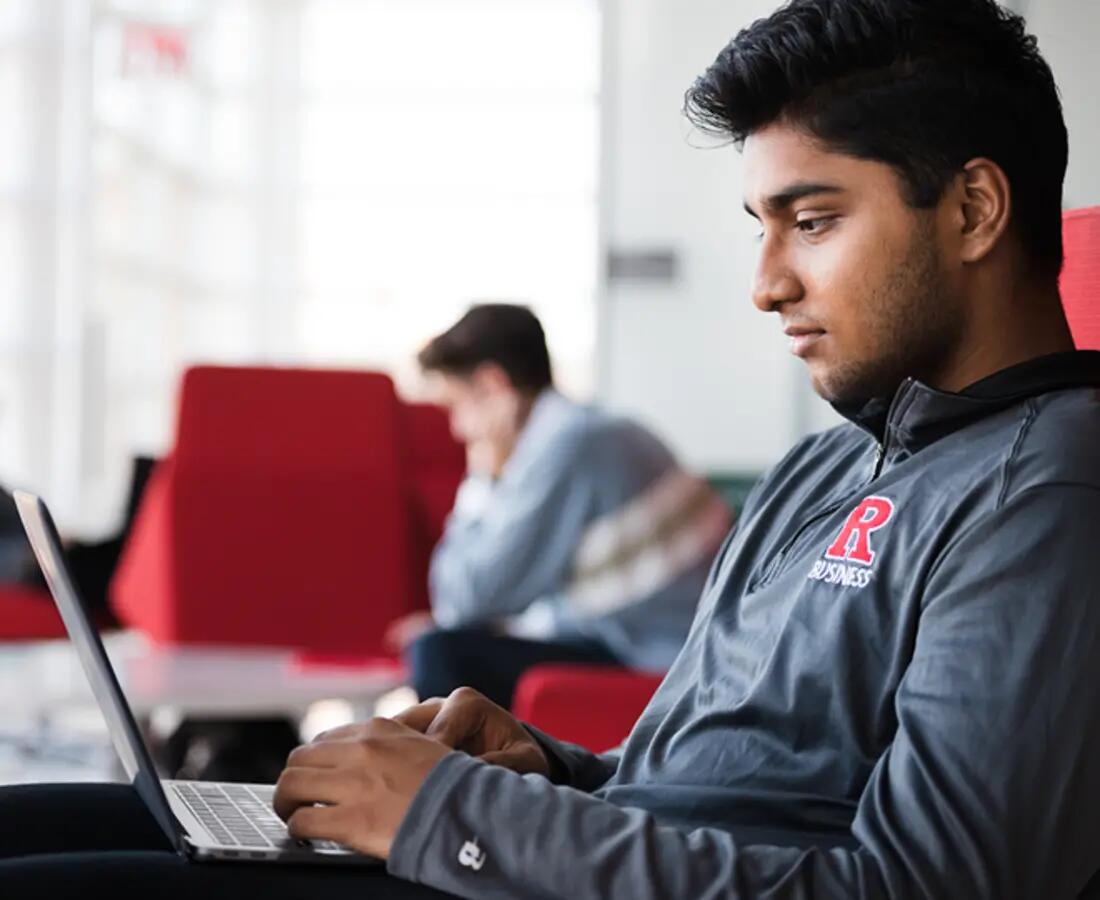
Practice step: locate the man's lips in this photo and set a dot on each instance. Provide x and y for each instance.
(802, 338)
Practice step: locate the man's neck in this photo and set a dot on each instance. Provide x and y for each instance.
(527, 401)
(1032, 326)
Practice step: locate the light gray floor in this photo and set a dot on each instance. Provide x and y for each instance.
(70, 747)
(52, 730)
(41, 740)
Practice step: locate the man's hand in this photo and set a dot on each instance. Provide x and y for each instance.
(365, 776)
(503, 413)
(470, 722)
(487, 457)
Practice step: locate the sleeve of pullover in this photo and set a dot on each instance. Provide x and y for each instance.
(988, 791)
(574, 766)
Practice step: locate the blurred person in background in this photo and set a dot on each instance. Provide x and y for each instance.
(576, 536)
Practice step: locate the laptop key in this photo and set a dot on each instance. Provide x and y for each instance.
(240, 816)
(218, 814)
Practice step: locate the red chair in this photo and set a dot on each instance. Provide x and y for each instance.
(594, 706)
(280, 518)
(559, 699)
(28, 614)
(435, 464)
(1081, 276)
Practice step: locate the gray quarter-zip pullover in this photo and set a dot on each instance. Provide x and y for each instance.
(891, 688)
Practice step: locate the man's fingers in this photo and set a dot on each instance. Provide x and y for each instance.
(358, 731)
(340, 732)
(461, 717)
(299, 788)
(323, 754)
(525, 760)
(453, 727)
(421, 716)
(317, 823)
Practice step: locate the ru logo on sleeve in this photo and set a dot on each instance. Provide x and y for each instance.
(849, 560)
(471, 856)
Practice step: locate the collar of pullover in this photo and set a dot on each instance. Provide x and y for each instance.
(918, 415)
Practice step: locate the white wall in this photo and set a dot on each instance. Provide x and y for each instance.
(1069, 38)
(693, 357)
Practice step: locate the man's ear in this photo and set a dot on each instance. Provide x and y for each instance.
(491, 376)
(984, 204)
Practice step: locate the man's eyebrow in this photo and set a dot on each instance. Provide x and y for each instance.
(782, 200)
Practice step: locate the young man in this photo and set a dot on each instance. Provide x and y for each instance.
(575, 538)
(892, 685)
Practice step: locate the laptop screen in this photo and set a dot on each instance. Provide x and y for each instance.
(125, 734)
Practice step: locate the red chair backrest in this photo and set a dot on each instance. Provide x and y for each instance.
(288, 517)
(143, 589)
(436, 464)
(594, 706)
(1081, 276)
(28, 614)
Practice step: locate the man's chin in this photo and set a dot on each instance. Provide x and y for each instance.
(840, 385)
(824, 382)
(830, 395)
(850, 386)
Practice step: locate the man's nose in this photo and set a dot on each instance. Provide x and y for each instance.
(773, 283)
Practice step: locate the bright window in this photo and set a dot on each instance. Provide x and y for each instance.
(309, 181)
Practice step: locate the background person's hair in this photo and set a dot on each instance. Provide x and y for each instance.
(922, 85)
(503, 333)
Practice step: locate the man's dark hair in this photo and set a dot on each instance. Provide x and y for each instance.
(505, 334)
(922, 85)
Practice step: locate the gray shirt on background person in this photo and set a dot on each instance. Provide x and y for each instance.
(593, 530)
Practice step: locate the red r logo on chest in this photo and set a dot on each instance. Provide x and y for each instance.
(854, 541)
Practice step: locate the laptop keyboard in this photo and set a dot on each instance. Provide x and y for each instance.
(238, 815)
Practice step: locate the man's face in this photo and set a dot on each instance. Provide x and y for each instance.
(479, 404)
(854, 272)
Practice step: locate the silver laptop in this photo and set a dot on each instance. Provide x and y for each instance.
(203, 820)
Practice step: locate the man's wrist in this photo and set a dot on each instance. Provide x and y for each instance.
(424, 820)
(474, 495)
(558, 771)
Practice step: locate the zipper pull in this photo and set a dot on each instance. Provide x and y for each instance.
(880, 455)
